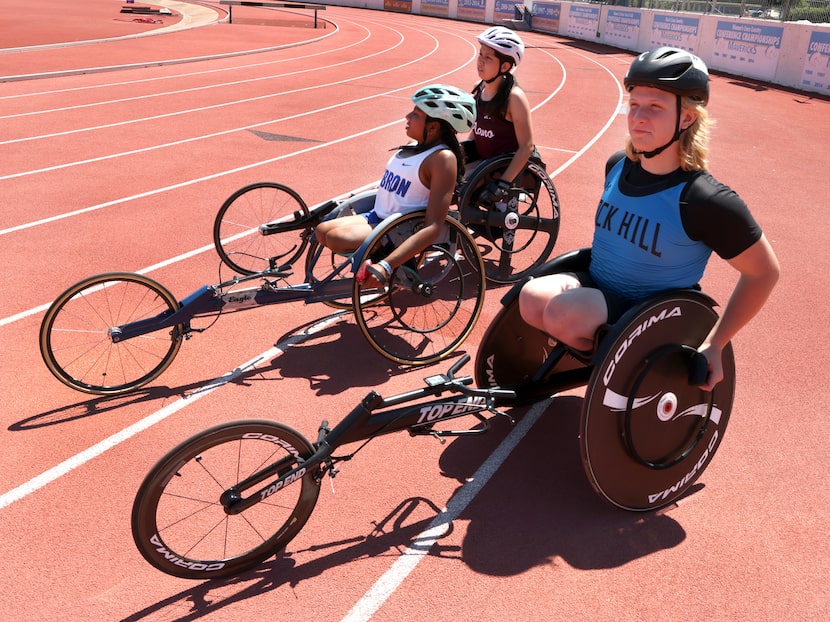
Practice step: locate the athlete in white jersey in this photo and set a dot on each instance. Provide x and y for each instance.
(422, 175)
(401, 190)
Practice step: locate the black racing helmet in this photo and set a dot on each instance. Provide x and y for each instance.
(670, 69)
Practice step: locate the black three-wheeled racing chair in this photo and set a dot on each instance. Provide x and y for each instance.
(647, 431)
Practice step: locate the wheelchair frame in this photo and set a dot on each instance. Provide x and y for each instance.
(101, 326)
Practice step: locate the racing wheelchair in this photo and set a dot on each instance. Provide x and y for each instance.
(515, 232)
(647, 432)
(113, 333)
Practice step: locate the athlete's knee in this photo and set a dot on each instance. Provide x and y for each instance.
(531, 305)
(536, 296)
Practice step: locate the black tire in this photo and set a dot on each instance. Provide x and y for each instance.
(433, 301)
(519, 236)
(236, 230)
(75, 335)
(511, 352)
(646, 433)
(179, 523)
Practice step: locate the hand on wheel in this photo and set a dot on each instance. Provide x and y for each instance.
(495, 191)
(379, 272)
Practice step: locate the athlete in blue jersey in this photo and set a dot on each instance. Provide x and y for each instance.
(422, 175)
(660, 217)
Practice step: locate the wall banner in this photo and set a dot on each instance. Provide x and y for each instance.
(747, 49)
(675, 31)
(623, 28)
(546, 16)
(435, 8)
(471, 9)
(816, 72)
(583, 21)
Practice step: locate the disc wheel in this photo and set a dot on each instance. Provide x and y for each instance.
(432, 301)
(76, 334)
(179, 522)
(239, 240)
(646, 434)
(516, 235)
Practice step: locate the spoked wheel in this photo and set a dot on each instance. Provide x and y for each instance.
(241, 243)
(179, 520)
(647, 434)
(517, 235)
(432, 302)
(76, 335)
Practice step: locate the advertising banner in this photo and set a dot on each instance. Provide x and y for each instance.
(436, 8)
(546, 16)
(623, 28)
(748, 49)
(816, 72)
(583, 21)
(402, 6)
(675, 31)
(504, 10)
(471, 9)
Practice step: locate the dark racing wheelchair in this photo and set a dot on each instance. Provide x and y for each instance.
(647, 431)
(516, 228)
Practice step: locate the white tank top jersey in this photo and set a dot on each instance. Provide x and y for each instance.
(400, 189)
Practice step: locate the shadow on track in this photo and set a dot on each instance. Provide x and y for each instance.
(538, 509)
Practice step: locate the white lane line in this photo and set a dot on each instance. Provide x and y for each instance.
(389, 582)
(167, 262)
(34, 484)
(386, 585)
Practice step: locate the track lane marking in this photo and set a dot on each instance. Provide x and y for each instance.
(81, 458)
(388, 583)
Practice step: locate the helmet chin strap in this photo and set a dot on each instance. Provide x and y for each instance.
(677, 133)
(499, 74)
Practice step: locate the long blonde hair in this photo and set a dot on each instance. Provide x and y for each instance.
(693, 141)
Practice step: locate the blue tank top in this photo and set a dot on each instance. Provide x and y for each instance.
(640, 246)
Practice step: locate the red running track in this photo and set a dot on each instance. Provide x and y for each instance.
(125, 169)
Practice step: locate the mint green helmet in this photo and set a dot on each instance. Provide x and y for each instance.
(448, 103)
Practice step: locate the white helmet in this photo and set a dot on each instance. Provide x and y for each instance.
(441, 101)
(505, 41)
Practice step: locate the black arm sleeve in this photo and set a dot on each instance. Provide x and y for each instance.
(714, 214)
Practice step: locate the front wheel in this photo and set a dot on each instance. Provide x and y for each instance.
(239, 238)
(76, 334)
(179, 519)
